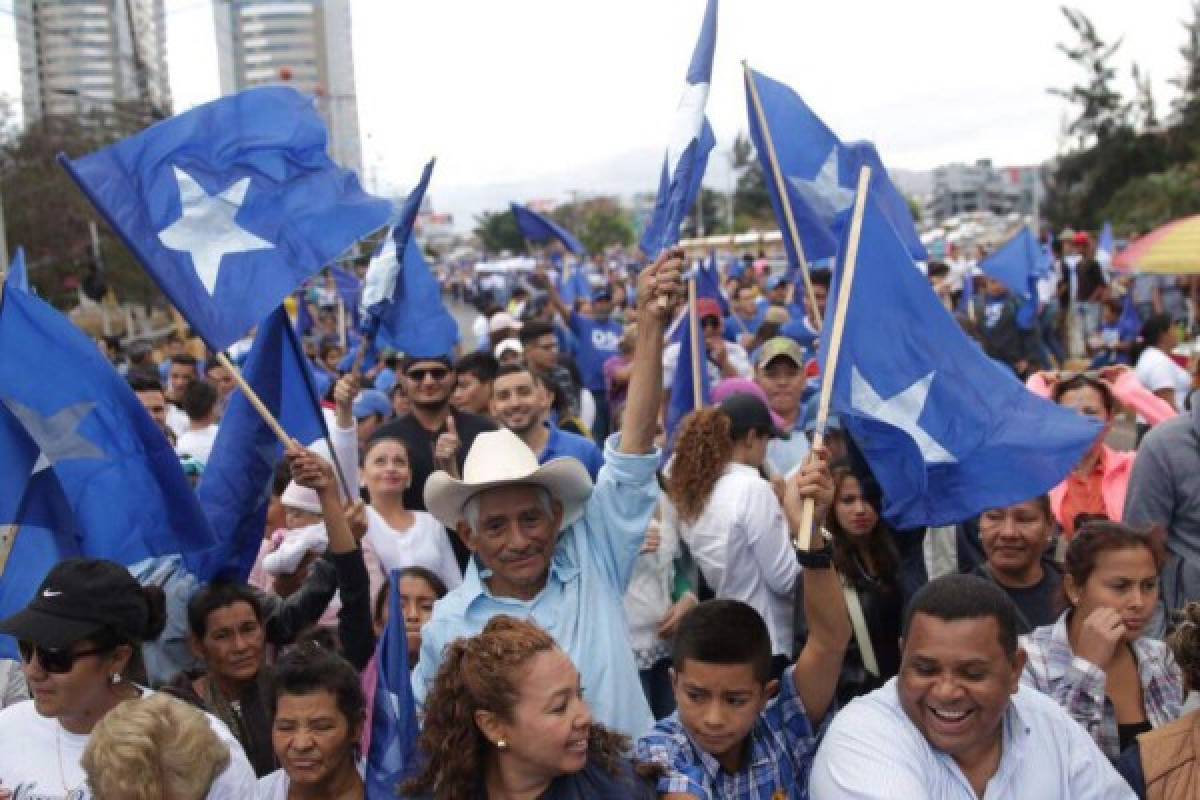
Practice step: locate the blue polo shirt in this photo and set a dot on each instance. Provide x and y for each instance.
(582, 603)
(564, 444)
(734, 325)
(595, 343)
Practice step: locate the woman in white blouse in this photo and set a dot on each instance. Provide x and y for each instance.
(396, 536)
(730, 517)
(1155, 368)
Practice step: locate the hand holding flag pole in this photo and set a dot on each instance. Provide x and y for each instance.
(777, 176)
(804, 533)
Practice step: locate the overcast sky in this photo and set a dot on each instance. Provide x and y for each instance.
(522, 92)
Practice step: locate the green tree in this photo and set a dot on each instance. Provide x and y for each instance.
(1186, 107)
(599, 222)
(711, 206)
(752, 203)
(45, 212)
(1144, 107)
(498, 231)
(1100, 110)
(1149, 201)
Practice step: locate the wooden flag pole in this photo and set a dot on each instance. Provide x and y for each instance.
(783, 195)
(694, 355)
(845, 285)
(273, 424)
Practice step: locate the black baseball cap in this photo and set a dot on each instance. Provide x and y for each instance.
(79, 598)
(749, 413)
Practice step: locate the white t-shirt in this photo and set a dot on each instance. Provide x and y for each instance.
(197, 444)
(1156, 370)
(424, 544)
(273, 787)
(177, 421)
(49, 756)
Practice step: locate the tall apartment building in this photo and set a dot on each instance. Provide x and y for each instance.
(78, 56)
(301, 43)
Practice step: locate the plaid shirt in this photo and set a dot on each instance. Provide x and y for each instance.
(1078, 685)
(782, 746)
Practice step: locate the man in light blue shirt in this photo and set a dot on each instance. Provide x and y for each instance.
(548, 546)
(956, 723)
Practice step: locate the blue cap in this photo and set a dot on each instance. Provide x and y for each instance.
(372, 401)
(776, 281)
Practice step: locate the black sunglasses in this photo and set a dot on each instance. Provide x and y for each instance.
(437, 373)
(55, 661)
(710, 322)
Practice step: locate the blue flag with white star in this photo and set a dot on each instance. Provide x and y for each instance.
(947, 431)
(236, 485)
(101, 461)
(231, 205)
(393, 754)
(819, 173)
(541, 229)
(691, 141)
(18, 272)
(401, 297)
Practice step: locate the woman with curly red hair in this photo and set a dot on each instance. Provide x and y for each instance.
(730, 517)
(506, 717)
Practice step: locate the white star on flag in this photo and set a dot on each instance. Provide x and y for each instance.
(824, 192)
(901, 411)
(207, 229)
(57, 436)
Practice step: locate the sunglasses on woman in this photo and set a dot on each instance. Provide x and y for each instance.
(54, 661)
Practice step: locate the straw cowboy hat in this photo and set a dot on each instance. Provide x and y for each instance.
(499, 458)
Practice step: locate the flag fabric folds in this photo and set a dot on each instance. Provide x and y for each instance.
(393, 754)
(104, 479)
(236, 484)
(683, 388)
(231, 205)
(947, 432)
(819, 173)
(541, 229)
(37, 527)
(402, 300)
(691, 141)
(18, 272)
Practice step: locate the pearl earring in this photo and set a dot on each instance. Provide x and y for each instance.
(115, 678)
(501, 745)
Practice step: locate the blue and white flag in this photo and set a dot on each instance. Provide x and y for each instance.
(78, 449)
(236, 485)
(540, 229)
(18, 272)
(819, 173)
(688, 148)
(947, 431)
(393, 754)
(401, 298)
(231, 205)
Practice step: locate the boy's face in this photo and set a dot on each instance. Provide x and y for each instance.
(719, 704)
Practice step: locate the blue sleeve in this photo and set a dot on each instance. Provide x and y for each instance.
(579, 325)
(619, 510)
(732, 329)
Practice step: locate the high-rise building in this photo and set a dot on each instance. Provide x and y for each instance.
(80, 56)
(301, 43)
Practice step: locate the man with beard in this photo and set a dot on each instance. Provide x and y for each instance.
(437, 436)
(521, 402)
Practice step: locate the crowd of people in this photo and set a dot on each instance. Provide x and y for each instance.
(598, 606)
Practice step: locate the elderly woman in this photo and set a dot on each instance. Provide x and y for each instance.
(80, 640)
(317, 715)
(1096, 660)
(507, 717)
(153, 748)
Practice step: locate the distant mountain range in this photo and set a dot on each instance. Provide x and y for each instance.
(625, 175)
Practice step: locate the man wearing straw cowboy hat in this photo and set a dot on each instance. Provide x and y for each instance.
(548, 545)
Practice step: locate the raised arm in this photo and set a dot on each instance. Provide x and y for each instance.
(659, 280)
(820, 662)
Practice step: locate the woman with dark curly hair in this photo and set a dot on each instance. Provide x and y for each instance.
(730, 517)
(506, 717)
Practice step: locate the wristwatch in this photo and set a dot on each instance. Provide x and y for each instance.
(818, 559)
